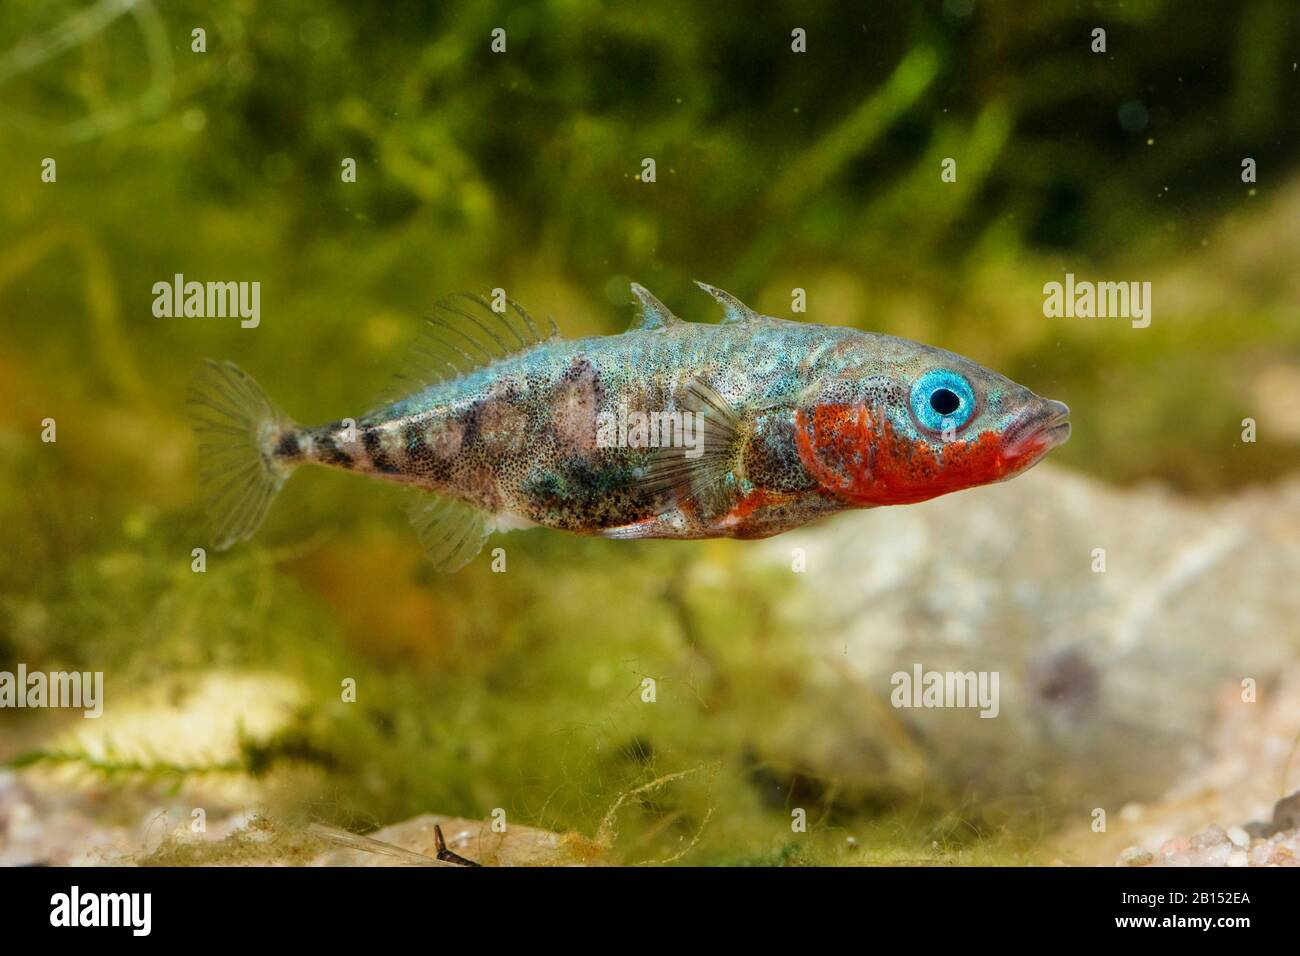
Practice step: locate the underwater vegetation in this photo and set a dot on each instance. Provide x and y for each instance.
(711, 702)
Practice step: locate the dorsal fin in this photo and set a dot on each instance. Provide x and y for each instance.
(474, 330)
(462, 333)
(653, 313)
(733, 309)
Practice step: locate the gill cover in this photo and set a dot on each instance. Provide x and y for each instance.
(884, 443)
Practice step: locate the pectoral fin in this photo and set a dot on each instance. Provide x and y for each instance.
(705, 472)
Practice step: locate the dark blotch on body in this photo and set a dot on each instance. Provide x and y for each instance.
(372, 440)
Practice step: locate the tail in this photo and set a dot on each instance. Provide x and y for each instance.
(238, 429)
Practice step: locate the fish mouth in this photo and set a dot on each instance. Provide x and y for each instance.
(1037, 431)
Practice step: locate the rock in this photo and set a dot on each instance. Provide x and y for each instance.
(1238, 858)
(1135, 856)
(1239, 837)
(1217, 855)
(1108, 680)
(1211, 836)
(1283, 855)
(1175, 846)
(1286, 812)
(1251, 746)
(1259, 830)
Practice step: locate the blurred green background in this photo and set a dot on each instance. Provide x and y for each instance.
(775, 170)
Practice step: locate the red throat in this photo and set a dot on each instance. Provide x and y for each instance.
(864, 461)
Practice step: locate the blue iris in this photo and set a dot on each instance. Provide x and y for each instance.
(941, 399)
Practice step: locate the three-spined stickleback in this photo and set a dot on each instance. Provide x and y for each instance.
(743, 429)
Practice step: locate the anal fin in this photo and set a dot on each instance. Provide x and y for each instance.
(451, 532)
(646, 528)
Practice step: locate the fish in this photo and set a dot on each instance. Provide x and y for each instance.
(745, 428)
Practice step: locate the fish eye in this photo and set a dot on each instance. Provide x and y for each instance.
(944, 401)
(942, 398)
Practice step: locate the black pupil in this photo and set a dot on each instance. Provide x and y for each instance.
(944, 401)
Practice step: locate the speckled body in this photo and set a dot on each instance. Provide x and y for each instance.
(820, 423)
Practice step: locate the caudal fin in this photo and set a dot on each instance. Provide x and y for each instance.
(238, 428)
